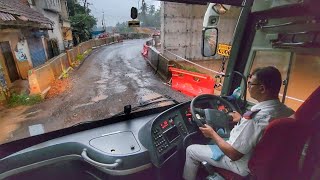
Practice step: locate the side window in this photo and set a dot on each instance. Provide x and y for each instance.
(303, 80)
(278, 59)
(303, 77)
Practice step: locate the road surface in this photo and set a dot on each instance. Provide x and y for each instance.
(110, 78)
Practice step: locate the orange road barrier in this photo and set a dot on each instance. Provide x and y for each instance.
(191, 83)
(33, 83)
(145, 51)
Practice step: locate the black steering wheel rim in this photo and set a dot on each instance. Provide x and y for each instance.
(224, 102)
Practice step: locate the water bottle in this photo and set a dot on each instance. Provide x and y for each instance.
(237, 93)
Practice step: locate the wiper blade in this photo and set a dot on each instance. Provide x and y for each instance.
(144, 105)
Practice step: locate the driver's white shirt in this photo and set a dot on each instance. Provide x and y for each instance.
(246, 134)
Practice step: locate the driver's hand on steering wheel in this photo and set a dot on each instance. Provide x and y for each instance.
(207, 131)
(235, 116)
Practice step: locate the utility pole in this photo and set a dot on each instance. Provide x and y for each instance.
(85, 4)
(103, 22)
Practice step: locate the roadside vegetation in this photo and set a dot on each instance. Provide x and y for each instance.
(192, 69)
(23, 99)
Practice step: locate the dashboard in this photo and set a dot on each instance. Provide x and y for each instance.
(127, 146)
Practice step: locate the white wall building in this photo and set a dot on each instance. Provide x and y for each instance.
(51, 10)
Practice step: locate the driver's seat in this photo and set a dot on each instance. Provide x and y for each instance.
(277, 154)
(268, 152)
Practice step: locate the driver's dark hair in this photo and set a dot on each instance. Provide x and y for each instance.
(270, 77)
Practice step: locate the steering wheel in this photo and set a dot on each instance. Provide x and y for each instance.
(213, 117)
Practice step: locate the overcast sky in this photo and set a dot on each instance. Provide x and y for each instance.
(115, 10)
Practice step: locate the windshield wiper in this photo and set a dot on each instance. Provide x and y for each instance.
(128, 109)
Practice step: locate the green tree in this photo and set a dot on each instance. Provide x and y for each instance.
(81, 21)
(82, 25)
(143, 14)
(152, 10)
(156, 18)
(149, 16)
(123, 27)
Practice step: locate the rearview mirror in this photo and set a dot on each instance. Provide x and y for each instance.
(209, 42)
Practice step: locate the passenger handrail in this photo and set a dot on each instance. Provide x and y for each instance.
(95, 163)
(284, 24)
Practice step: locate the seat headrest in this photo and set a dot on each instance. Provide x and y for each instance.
(310, 107)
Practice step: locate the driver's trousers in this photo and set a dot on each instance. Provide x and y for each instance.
(195, 154)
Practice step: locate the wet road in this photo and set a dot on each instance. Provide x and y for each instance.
(110, 78)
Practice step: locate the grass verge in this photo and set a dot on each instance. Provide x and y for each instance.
(23, 99)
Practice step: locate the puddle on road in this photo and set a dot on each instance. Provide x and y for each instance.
(10, 121)
(120, 88)
(32, 114)
(81, 105)
(99, 98)
(93, 101)
(140, 81)
(144, 92)
(102, 81)
(6, 129)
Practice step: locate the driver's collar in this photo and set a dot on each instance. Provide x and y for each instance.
(265, 104)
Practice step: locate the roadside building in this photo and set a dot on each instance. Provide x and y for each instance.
(60, 37)
(66, 25)
(22, 31)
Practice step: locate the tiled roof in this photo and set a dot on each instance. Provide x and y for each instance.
(6, 17)
(23, 12)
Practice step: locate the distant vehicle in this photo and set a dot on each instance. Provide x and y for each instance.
(103, 35)
(156, 33)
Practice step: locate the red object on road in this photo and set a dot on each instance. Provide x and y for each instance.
(145, 51)
(191, 83)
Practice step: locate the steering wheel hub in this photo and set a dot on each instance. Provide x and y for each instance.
(212, 117)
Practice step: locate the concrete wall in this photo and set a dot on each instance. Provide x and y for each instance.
(56, 32)
(158, 62)
(64, 9)
(66, 26)
(181, 29)
(41, 77)
(227, 25)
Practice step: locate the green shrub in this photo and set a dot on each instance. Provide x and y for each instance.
(80, 57)
(192, 69)
(23, 99)
(65, 73)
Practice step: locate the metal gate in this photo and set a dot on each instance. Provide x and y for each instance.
(37, 51)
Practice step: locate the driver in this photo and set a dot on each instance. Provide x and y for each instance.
(264, 85)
